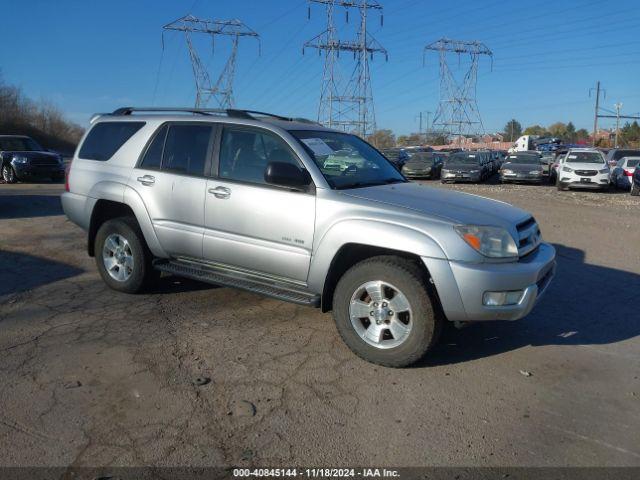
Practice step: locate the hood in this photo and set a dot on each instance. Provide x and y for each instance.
(31, 154)
(522, 167)
(586, 166)
(463, 167)
(455, 207)
(419, 163)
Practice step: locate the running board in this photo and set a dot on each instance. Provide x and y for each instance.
(234, 279)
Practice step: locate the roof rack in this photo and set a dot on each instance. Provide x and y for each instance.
(230, 112)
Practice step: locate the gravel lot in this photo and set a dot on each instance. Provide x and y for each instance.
(196, 375)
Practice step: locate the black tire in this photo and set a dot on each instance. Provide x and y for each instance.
(411, 280)
(9, 174)
(143, 275)
(561, 188)
(635, 188)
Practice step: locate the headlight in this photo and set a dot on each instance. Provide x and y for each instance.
(567, 169)
(507, 172)
(474, 171)
(493, 242)
(21, 160)
(604, 170)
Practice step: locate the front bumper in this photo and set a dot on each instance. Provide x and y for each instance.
(417, 173)
(522, 177)
(460, 177)
(27, 170)
(572, 180)
(461, 286)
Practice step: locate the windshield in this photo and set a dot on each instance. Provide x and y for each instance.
(19, 144)
(523, 159)
(422, 158)
(462, 159)
(584, 157)
(618, 154)
(347, 161)
(632, 163)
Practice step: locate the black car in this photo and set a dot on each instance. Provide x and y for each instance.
(635, 183)
(397, 156)
(22, 159)
(523, 167)
(423, 165)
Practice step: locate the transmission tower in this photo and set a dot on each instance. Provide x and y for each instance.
(347, 104)
(222, 90)
(457, 112)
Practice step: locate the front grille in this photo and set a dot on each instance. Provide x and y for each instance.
(586, 173)
(529, 236)
(40, 162)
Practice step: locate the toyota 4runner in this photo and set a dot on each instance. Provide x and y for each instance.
(295, 211)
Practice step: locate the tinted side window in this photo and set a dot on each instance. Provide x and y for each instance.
(186, 148)
(245, 154)
(153, 156)
(106, 138)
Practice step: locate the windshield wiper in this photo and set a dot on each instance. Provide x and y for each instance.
(375, 183)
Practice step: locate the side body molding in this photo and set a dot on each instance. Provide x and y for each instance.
(366, 232)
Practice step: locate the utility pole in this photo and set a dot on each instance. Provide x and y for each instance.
(222, 91)
(457, 111)
(597, 112)
(347, 105)
(618, 106)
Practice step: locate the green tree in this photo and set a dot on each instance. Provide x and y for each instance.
(630, 133)
(558, 129)
(582, 135)
(536, 130)
(570, 133)
(512, 130)
(382, 139)
(409, 140)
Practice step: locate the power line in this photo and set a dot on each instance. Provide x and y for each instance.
(222, 91)
(347, 104)
(457, 112)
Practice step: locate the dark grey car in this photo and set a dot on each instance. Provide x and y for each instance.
(523, 167)
(23, 159)
(464, 167)
(423, 165)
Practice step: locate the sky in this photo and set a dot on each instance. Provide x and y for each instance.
(91, 56)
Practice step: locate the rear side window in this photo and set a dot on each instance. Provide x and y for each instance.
(153, 157)
(106, 138)
(186, 148)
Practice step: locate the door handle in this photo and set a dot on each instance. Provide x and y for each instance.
(220, 192)
(147, 180)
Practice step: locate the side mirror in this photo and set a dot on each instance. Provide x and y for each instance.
(287, 175)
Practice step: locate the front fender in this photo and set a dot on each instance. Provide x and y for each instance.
(366, 232)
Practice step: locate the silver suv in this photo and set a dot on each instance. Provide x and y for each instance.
(292, 210)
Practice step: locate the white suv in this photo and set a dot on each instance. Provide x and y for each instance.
(583, 168)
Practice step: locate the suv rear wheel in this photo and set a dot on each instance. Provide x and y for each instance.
(122, 257)
(635, 188)
(386, 311)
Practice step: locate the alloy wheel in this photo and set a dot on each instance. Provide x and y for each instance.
(380, 314)
(117, 257)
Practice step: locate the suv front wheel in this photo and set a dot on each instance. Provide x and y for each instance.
(9, 174)
(386, 311)
(122, 257)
